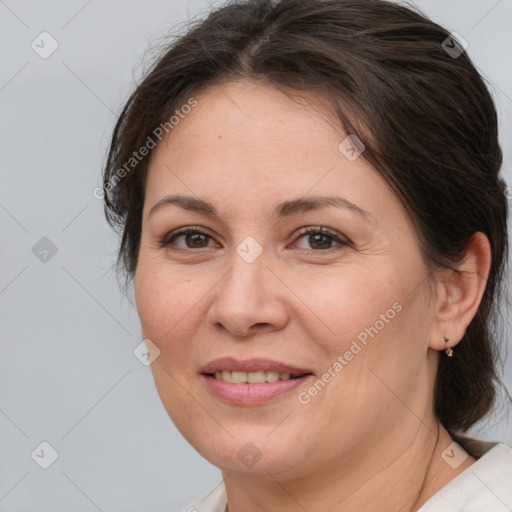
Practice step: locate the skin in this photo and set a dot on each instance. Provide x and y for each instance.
(368, 440)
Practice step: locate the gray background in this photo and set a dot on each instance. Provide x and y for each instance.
(68, 375)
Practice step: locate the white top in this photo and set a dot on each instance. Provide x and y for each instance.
(486, 486)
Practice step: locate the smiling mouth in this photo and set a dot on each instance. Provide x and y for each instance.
(260, 377)
(252, 382)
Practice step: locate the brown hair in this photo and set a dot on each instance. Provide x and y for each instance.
(425, 116)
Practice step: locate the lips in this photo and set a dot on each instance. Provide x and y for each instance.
(261, 377)
(234, 366)
(251, 382)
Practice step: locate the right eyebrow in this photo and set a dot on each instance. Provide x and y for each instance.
(187, 203)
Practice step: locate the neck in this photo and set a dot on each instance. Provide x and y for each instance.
(389, 477)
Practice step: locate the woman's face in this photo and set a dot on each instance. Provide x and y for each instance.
(341, 316)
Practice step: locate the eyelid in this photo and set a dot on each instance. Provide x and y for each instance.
(340, 239)
(319, 229)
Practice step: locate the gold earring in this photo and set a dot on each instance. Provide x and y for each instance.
(449, 350)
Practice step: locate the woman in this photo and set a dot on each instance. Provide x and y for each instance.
(312, 214)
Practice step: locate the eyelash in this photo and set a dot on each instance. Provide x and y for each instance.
(170, 237)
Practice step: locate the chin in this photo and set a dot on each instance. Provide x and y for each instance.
(250, 451)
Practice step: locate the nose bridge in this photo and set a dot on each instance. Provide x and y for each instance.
(245, 283)
(246, 299)
(248, 273)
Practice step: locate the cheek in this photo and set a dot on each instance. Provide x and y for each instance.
(345, 307)
(167, 306)
(164, 300)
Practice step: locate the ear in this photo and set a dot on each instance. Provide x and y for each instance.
(460, 292)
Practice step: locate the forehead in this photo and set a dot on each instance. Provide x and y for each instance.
(251, 127)
(252, 142)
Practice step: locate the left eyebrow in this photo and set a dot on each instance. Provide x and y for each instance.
(294, 206)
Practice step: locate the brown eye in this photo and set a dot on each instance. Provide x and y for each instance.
(319, 239)
(195, 240)
(187, 238)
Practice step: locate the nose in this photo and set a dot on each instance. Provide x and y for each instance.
(248, 300)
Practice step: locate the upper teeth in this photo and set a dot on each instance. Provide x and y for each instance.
(251, 377)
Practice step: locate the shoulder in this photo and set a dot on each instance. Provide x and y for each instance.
(485, 485)
(213, 500)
